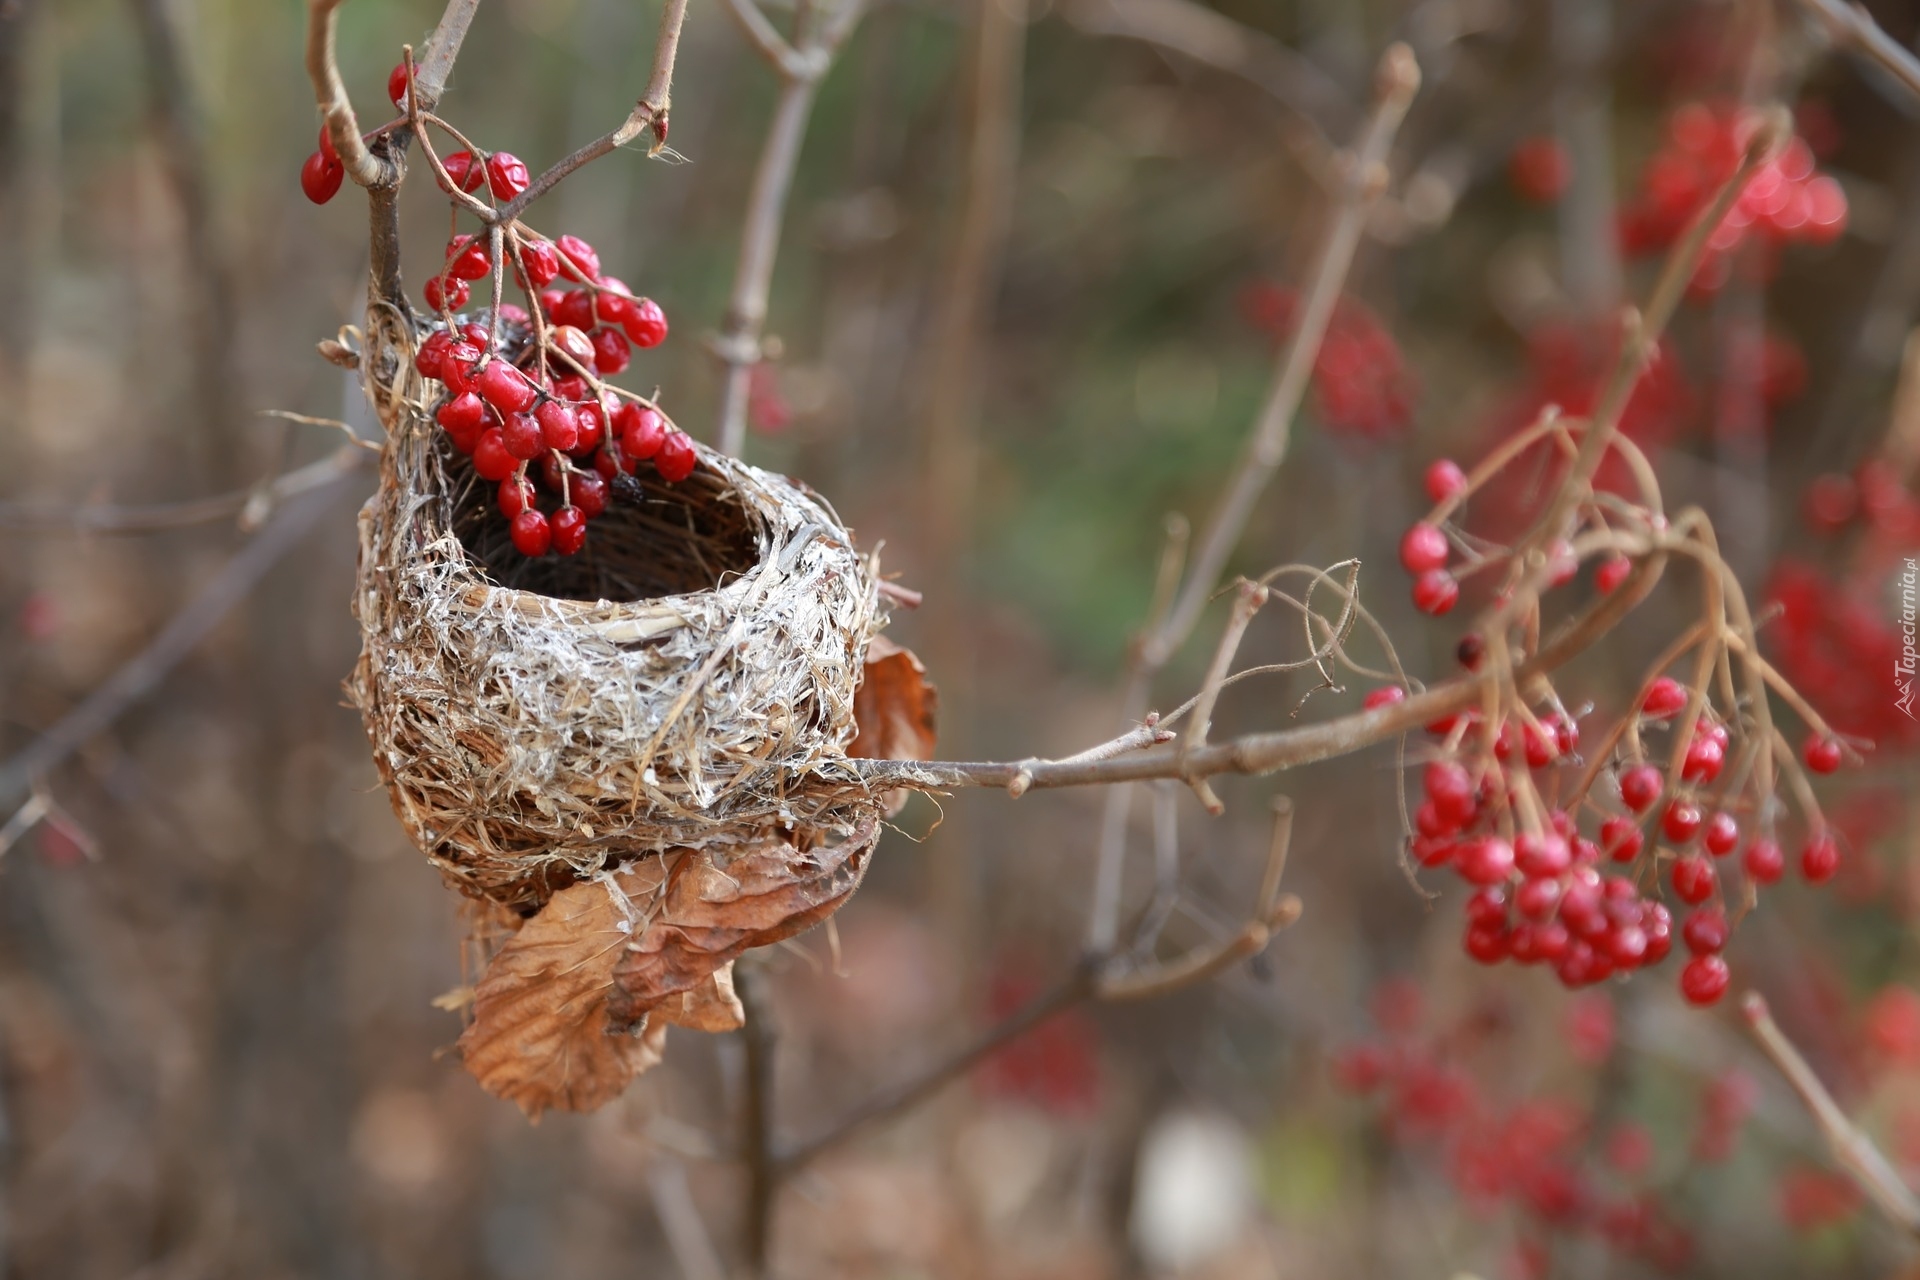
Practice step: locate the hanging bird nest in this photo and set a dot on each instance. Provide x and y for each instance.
(540, 722)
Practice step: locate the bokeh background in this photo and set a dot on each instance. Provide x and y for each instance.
(219, 1051)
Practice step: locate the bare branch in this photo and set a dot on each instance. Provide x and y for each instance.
(336, 110)
(760, 34)
(155, 517)
(1246, 603)
(1853, 28)
(1852, 1150)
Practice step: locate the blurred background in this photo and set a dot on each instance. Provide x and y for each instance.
(219, 1048)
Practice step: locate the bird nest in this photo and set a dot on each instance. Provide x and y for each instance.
(541, 722)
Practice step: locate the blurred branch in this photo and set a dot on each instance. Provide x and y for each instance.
(1852, 1150)
(1095, 978)
(182, 634)
(1397, 78)
(212, 332)
(42, 517)
(1851, 27)
(763, 1172)
(679, 1216)
(1215, 40)
(801, 69)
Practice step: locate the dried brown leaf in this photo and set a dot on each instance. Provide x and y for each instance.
(541, 1036)
(896, 708)
(721, 901)
(712, 1006)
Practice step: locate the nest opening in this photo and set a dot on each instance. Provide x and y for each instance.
(654, 539)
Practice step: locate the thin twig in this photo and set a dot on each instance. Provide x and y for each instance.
(139, 676)
(158, 516)
(1852, 1150)
(763, 1167)
(687, 1235)
(1246, 603)
(1853, 28)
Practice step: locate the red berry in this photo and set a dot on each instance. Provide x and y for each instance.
(467, 258)
(1764, 861)
(1705, 931)
(432, 351)
(646, 323)
(521, 435)
(1540, 169)
(505, 387)
(457, 366)
(516, 495)
(559, 429)
(1681, 821)
(588, 491)
(1487, 943)
(397, 85)
(1640, 786)
(569, 530)
(1434, 851)
(642, 431)
(506, 178)
(320, 178)
(515, 315)
(465, 173)
(1538, 897)
(576, 309)
(613, 304)
(447, 294)
(1820, 859)
(1705, 757)
(491, 461)
(1488, 860)
(606, 465)
(1450, 788)
(1612, 572)
(1704, 980)
(1435, 592)
(1422, 548)
(1444, 480)
(1723, 833)
(1821, 754)
(542, 263)
(611, 351)
(1541, 855)
(573, 343)
(532, 535)
(677, 458)
(1620, 837)
(1471, 651)
(1665, 697)
(590, 422)
(1385, 696)
(1627, 946)
(570, 387)
(578, 259)
(1693, 879)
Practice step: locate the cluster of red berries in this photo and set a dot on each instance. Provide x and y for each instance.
(1532, 1155)
(1785, 200)
(1875, 497)
(1539, 894)
(1361, 384)
(1839, 643)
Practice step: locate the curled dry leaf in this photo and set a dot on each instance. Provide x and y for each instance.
(721, 901)
(541, 1036)
(896, 709)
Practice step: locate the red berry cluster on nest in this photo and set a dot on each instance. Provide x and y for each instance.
(523, 391)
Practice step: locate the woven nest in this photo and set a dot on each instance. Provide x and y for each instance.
(538, 722)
